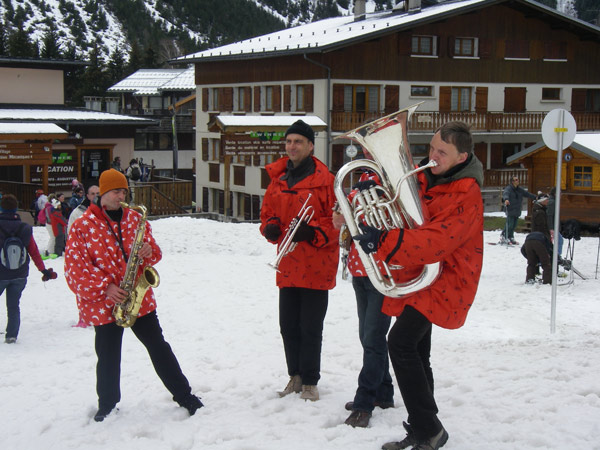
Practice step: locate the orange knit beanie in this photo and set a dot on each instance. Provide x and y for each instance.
(112, 179)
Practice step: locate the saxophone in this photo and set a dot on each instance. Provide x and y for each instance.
(126, 313)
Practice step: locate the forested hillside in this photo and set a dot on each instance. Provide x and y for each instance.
(118, 37)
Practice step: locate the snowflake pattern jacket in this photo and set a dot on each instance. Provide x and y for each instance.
(311, 265)
(93, 260)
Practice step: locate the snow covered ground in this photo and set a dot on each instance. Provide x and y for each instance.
(503, 381)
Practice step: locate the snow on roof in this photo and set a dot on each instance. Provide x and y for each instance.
(590, 141)
(151, 81)
(268, 121)
(30, 128)
(317, 36)
(60, 115)
(185, 81)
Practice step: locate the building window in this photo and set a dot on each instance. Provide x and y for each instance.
(267, 98)
(424, 46)
(419, 150)
(421, 91)
(298, 99)
(551, 93)
(215, 149)
(239, 102)
(360, 98)
(582, 177)
(555, 51)
(464, 47)
(460, 99)
(214, 99)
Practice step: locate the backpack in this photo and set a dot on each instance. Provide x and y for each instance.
(135, 173)
(42, 216)
(13, 254)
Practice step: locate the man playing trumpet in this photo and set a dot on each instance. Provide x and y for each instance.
(307, 273)
(453, 237)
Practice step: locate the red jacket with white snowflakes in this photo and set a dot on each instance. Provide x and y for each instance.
(94, 259)
(311, 265)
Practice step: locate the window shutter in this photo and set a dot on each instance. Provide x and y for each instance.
(404, 44)
(248, 99)
(287, 98)
(256, 98)
(226, 98)
(204, 99)
(338, 97)
(277, 98)
(578, 99)
(308, 97)
(392, 98)
(596, 177)
(481, 99)
(445, 98)
(451, 40)
(204, 149)
(485, 48)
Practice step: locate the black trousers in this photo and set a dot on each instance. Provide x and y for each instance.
(409, 344)
(301, 315)
(108, 370)
(538, 254)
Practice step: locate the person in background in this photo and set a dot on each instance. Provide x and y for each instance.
(59, 227)
(91, 195)
(34, 206)
(550, 211)
(64, 205)
(76, 198)
(48, 224)
(306, 275)
(116, 164)
(14, 280)
(375, 386)
(133, 174)
(512, 197)
(453, 237)
(539, 217)
(98, 251)
(537, 248)
(41, 201)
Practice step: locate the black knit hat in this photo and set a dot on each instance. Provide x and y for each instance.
(302, 128)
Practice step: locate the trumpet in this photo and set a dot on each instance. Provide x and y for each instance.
(287, 245)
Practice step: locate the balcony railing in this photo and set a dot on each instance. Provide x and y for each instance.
(488, 121)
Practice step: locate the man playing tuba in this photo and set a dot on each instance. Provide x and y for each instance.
(96, 261)
(454, 238)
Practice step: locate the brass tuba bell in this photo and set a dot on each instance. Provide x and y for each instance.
(395, 203)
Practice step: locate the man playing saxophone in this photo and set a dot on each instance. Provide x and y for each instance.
(96, 261)
(306, 273)
(453, 237)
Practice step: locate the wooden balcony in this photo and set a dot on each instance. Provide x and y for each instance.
(488, 121)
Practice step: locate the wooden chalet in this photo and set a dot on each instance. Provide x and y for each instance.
(580, 176)
(499, 65)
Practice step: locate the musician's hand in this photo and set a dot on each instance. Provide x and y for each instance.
(369, 239)
(364, 185)
(115, 293)
(272, 232)
(304, 233)
(145, 251)
(506, 202)
(338, 220)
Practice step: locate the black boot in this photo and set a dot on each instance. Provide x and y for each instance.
(191, 403)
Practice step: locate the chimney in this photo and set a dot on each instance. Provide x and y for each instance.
(359, 10)
(414, 6)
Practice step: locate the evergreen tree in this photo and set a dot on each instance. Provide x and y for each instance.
(3, 43)
(19, 44)
(50, 45)
(135, 59)
(95, 80)
(116, 66)
(325, 9)
(588, 10)
(150, 60)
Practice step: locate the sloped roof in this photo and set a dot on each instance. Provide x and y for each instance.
(248, 123)
(153, 81)
(586, 143)
(337, 32)
(69, 115)
(15, 129)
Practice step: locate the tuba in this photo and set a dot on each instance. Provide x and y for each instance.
(126, 313)
(396, 203)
